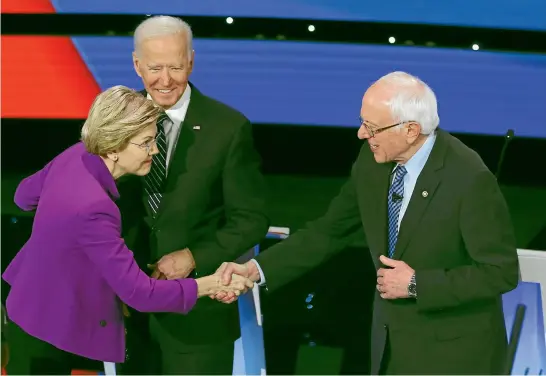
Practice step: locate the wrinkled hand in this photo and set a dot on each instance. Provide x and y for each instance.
(229, 270)
(175, 265)
(237, 285)
(155, 272)
(392, 282)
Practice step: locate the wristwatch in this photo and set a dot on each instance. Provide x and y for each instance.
(412, 287)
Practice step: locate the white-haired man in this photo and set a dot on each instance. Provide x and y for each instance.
(438, 230)
(203, 202)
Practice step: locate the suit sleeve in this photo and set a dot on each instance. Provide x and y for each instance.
(245, 204)
(317, 242)
(101, 241)
(28, 192)
(489, 238)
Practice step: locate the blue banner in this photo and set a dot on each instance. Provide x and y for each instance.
(322, 84)
(509, 14)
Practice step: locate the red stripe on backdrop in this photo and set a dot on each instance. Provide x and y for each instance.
(27, 6)
(44, 77)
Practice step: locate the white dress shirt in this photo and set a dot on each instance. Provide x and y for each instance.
(176, 114)
(413, 166)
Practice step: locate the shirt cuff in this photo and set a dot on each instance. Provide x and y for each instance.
(261, 282)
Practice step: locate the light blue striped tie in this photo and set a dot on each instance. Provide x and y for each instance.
(396, 194)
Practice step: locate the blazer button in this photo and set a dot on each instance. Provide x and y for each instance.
(385, 326)
(103, 323)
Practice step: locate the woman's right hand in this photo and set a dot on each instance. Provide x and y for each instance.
(212, 284)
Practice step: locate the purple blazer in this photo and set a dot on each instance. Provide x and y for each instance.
(68, 279)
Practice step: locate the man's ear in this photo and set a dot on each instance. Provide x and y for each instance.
(136, 64)
(413, 130)
(192, 59)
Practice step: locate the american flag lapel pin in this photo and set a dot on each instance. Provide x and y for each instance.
(196, 127)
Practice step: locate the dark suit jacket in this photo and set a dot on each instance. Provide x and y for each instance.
(213, 203)
(458, 238)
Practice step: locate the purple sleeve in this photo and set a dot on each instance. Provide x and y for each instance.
(29, 190)
(101, 241)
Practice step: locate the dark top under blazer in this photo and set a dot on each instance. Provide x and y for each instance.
(458, 238)
(213, 203)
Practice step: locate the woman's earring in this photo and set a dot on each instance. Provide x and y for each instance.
(115, 157)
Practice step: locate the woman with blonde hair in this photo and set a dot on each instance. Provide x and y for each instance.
(69, 280)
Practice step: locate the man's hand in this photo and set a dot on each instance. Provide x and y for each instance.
(175, 265)
(393, 283)
(155, 272)
(226, 270)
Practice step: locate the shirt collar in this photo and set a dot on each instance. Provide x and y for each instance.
(177, 112)
(96, 167)
(416, 163)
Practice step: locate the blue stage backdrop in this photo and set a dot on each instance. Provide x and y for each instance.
(510, 14)
(322, 84)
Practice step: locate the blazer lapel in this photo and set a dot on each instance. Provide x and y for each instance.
(190, 132)
(423, 193)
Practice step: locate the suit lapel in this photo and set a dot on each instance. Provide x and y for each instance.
(423, 193)
(190, 133)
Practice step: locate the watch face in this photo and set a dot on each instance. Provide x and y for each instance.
(412, 289)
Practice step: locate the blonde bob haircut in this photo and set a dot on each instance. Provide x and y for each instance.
(116, 116)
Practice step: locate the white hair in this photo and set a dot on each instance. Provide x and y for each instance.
(158, 26)
(413, 100)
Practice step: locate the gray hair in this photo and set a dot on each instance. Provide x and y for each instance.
(158, 26)
(117, 115)
(413, 100)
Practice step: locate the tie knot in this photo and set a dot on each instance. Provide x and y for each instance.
(162, 117)
(399, 172)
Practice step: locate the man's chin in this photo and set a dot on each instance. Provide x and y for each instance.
(164, 103)
(379, 158)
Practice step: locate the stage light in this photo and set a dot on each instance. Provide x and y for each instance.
(311, 28)
(392, 40)
(229, 20)
(475, 47)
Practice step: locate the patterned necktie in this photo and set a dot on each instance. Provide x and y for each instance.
(155, 179)
(396, 194)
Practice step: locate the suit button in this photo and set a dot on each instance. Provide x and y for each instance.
(385, 326)
(102, 323)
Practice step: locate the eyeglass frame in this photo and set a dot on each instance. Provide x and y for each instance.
(146, 145)
(372, 133)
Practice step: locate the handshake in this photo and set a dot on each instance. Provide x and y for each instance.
(229, 281)
(225, 285)
(230, 273)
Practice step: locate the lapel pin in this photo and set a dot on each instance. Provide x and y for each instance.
(424, 193)
(196, 127)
